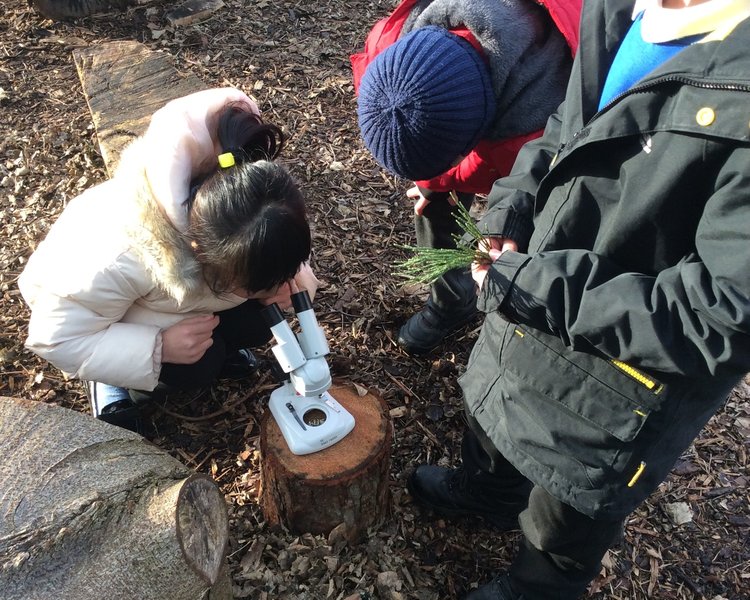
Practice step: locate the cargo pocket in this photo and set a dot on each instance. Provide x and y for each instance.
(573, 413)
(483, 369)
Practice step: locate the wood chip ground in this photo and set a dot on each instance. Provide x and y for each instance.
(293, 56)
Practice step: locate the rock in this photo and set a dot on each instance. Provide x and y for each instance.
(389, 585)
(679, 512)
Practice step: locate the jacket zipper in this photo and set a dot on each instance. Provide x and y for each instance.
(634, 373)
(645, 87)
(639, 376)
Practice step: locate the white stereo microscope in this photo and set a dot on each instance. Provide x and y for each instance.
(310, 419)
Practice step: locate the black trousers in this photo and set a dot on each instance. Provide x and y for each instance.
(435, 228)
(561, 549)
(240, 327)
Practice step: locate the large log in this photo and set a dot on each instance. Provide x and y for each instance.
(188, 13)
(345, 486)
(90, 511)
(124, 84)
(70, 9)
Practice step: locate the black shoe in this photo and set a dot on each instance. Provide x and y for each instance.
(239, 365)
(497, 589)
(122, 413)
(425, 331)
(449, 492)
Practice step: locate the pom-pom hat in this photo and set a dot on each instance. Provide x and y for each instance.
(423, 102)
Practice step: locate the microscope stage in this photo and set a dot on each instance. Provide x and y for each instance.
(309, 424)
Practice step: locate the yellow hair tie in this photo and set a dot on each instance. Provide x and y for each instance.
(226, 160)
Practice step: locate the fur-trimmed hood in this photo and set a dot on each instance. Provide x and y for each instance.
(178, 146)
(164, 249)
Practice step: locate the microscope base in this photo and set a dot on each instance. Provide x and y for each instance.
(309, 424)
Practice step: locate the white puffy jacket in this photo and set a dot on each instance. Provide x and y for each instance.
(115, 269)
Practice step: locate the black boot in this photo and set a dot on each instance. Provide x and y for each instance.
(497, 589)
(450, 492)
(121, 412)
(239, 364)
(426, 330)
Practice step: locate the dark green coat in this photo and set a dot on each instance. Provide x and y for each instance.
(630, 296)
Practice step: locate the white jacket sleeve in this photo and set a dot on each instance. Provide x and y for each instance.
(79, 330)
(78, 296)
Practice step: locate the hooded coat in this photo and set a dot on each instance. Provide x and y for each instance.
(116, 269)
(623, 322)
(529, 68)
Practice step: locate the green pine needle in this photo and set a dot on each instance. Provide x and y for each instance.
(429, 264)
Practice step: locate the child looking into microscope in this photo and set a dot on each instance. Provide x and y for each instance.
(155, 279)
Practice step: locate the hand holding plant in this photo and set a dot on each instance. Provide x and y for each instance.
(429, 264)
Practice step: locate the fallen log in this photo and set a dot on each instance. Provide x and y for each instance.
(90, 511)
(71, 9)
(187, 13)
(124, 83)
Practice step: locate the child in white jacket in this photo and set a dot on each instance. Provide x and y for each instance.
(156, 277)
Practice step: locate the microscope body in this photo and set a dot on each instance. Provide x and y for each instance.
(310, 419)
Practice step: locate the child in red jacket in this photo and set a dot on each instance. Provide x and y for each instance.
(449, 91)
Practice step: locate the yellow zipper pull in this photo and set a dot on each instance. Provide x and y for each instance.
(641, 378)
(638, 473)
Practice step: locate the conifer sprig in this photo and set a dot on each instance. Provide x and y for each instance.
(429, 264)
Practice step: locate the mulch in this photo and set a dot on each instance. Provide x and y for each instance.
(689, 541)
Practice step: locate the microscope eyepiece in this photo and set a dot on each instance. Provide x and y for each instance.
(272, 314)
(301, 301)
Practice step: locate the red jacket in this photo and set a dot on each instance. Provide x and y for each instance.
(490, 159)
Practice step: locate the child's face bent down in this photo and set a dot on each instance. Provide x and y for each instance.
(280, 294)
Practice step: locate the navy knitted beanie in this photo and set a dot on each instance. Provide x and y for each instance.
(423, 102)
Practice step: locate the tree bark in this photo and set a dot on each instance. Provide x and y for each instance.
(92, 511)
(346, 485)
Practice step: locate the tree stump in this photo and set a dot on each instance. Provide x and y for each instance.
(345, 485)
(90, 511)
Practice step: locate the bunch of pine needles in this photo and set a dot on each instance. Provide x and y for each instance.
(429, 264)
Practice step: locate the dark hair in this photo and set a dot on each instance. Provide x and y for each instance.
(248, 221)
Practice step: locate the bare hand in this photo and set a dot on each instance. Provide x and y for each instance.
(186, 342)
(304, 280)
(494, 247)
(422, 202)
